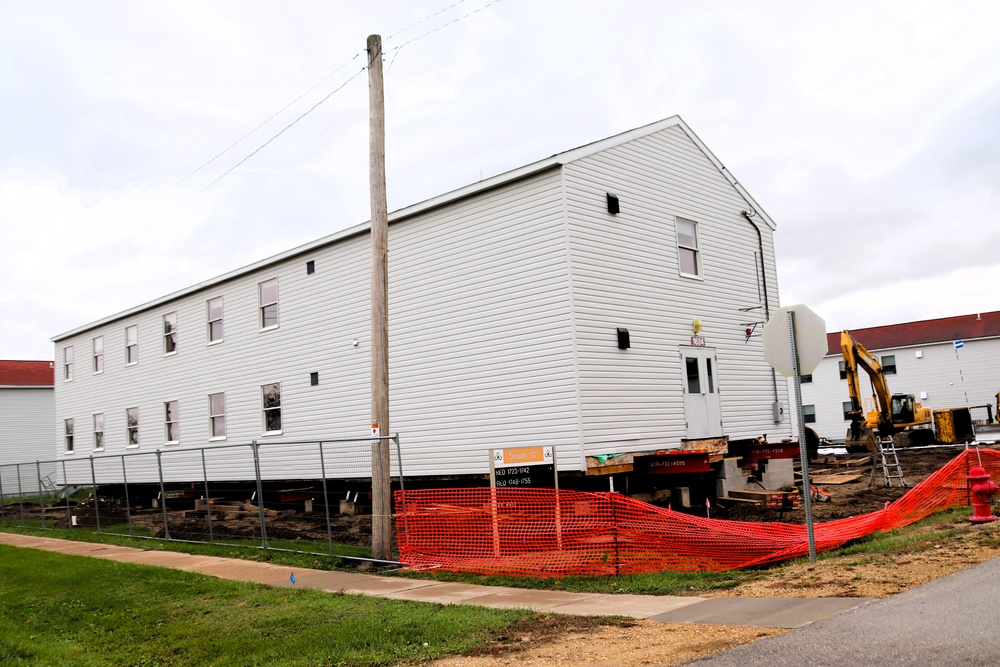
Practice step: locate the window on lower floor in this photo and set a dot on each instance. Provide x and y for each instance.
(170, 333)
(847, 410)
(132, 427)
(217, 416)
(68, 363)
(68, 426)
(843, 370)
(809, 414)
(132, 344)
(889, 364)
(271, 400)
(171, 422)
(99, 431)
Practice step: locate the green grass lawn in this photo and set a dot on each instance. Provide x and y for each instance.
(57, 609)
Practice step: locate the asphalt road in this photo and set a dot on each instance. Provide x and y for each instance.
(950, 621)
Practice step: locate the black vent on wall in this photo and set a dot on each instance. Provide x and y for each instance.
(613, 204)
(314, 379)
(623, 339)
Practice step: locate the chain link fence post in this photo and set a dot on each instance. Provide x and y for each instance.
(163, 496)
(326, 497)
(3, 500)
(128, 502)
(255, 446)
(41, 495)
(69, 510)
(96, 496)
(208, 498)
(20, 494)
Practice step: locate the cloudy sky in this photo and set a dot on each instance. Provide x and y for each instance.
(870, 132)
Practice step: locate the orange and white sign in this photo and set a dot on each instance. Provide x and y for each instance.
(522, 456)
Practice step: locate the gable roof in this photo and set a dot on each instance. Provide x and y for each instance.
(26, 374)
(552, 162)
(945, 329)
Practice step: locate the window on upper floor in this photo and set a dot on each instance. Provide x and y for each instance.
(688, 252)
(68, 363)
(889, 364)
(171, 423)
(99, 355)
(170, 333)
(217, 416)
(68, 434)
(809, 414)
(268, 295)
(843, 370)
(215, 330)
(271, 402)
(132, 427)
(99, 432)
(847, 410)
(132, 345)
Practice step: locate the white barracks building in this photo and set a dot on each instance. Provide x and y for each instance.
(596, 301)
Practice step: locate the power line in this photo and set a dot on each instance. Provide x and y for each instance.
(443, 25)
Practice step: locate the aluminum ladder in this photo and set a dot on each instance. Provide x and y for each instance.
(886, 458)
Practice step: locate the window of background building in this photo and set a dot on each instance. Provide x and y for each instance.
(889, 364)
(843, 370)
(847, 410)
(809, 414)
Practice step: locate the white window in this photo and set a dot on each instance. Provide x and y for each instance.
(132, 345)
(271, 402)
(889, 364)
(217, 416)
(68, 426)
(132, 427)
(99, 432)
(170, 333)
(843, 370)
(847, 407)
(171, 423)
(99, 355)
(809, 414)
(215, 320)
(268, 292)
(688, 254)
(68, 363)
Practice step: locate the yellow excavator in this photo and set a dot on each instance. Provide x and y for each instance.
(895, 413)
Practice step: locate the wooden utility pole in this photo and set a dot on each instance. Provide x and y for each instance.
(381, 480)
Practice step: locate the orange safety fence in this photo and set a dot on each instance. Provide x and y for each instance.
(549, 532)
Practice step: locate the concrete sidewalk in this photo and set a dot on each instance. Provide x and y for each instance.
(760, 612)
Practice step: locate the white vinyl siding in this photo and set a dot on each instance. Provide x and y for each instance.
(29, 431)
(626, 273)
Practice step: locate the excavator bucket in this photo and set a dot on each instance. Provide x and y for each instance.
(864, 443)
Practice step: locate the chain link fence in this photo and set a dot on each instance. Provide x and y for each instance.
(310, 497)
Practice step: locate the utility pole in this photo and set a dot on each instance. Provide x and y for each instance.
(381, 480)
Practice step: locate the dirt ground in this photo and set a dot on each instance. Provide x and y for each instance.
(647, 643)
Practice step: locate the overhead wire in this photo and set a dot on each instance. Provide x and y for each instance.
(270, 118)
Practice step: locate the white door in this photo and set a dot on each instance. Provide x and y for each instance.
(701, 392)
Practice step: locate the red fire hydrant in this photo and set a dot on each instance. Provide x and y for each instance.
(982, 490)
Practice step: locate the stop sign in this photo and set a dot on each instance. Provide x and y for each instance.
(810, 340)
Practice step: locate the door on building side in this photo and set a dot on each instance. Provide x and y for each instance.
(702, 410)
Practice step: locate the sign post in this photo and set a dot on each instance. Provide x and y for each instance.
(794, 341)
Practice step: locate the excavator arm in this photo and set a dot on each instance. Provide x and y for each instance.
(856, 355)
